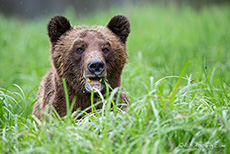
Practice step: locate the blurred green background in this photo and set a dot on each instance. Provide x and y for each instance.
(165, 35)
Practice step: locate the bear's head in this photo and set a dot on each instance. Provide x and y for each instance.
(88, 56)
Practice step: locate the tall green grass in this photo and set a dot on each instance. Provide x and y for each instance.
(177, 79)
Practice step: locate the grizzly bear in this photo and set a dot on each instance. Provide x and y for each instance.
(85, 56)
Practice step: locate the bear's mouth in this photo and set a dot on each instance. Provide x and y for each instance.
(94, 83)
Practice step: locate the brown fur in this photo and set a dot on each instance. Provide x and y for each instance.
(72, 50)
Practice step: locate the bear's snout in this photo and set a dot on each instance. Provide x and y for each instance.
(96, 67)
(94, 75)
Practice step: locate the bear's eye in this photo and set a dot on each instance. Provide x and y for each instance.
(105, 50)
(80, 50)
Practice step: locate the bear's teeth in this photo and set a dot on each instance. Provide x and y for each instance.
(88, 80)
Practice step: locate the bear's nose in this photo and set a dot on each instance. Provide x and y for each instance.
(96, 67)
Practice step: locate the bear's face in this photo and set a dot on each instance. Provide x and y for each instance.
(85, 56)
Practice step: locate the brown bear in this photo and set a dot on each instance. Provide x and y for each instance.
(85, 56)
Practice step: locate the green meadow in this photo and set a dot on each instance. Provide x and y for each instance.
(177, 78)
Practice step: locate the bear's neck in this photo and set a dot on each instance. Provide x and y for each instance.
(82, 100)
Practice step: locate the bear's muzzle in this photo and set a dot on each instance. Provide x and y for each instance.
(95, 74)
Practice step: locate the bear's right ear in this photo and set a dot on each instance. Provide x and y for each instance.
(57, 26)
(120, 26)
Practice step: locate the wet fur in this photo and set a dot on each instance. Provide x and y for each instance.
(68, 64)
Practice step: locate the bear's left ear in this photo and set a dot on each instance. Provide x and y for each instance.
(120, 26)
(56, 27)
